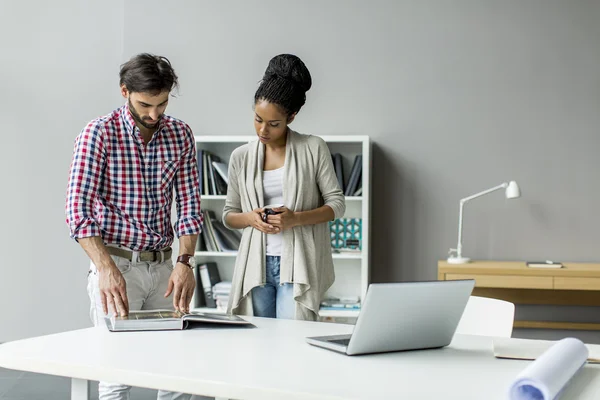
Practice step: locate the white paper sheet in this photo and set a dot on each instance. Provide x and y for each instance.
(530, 349)
(549, 374)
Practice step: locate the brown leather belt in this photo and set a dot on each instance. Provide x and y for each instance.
(146, 256)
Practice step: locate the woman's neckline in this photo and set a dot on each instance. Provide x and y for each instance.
(273, 170)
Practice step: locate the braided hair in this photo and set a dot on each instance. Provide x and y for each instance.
(285, 83)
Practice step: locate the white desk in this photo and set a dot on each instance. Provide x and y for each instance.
(273, 361)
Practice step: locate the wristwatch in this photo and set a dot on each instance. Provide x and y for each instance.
(188, 260)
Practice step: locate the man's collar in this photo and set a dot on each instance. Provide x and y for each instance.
(128, 118)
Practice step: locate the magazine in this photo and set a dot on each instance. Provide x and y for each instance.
(158, 320)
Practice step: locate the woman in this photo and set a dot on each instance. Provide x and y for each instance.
(284, 264)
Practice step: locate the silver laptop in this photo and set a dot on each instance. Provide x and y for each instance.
(403, 316)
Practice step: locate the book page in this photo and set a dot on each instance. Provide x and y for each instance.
(151, 314)
(216, 318)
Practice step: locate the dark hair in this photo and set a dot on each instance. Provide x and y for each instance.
(147, 73)
(285, 83)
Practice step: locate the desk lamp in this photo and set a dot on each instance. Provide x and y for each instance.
(512, 192)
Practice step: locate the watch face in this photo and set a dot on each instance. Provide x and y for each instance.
(192, 262)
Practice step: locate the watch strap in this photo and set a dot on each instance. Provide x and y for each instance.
(185, 259)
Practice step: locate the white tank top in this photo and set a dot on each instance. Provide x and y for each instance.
(273, 194)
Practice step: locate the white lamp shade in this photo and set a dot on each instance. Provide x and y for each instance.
(512, 190)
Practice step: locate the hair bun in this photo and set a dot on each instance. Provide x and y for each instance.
(291, 68)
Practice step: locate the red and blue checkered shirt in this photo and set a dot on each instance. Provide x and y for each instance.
(122, 190)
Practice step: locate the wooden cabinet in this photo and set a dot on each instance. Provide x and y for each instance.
(574, 284)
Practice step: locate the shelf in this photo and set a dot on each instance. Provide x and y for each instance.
(222, 197)
(338, 256)
(352, 268)
(339, 313)
(214, 254)
(359, 139)
(347, 256)
(224, 139)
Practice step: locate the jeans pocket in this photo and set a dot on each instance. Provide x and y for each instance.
(123, 264)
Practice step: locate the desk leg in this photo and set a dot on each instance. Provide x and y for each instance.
(80, 389)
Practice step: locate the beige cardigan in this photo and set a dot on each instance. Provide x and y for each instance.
(309, 182)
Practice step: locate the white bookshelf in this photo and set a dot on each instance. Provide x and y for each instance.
(352, 270)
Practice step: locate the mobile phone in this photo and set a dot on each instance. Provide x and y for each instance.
(267, 212)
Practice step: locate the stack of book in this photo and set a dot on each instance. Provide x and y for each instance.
(341, 304)
(221, 294)
(353, 186)
(215, 236)
(213, 174)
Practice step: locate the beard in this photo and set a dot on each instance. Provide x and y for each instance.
(136, 116)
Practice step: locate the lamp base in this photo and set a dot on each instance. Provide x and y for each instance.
(458, 260)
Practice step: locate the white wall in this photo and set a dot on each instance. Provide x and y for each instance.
(59, 69)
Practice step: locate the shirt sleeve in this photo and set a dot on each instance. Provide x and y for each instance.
(84, 175)
(187, 191)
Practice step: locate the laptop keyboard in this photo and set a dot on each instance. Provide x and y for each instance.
(340, 341)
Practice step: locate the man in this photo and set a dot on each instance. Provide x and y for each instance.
(124, 170)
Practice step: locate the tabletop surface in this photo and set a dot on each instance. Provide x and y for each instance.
(273, 361)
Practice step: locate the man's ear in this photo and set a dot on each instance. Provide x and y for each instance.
(291, 118)
(124, 91)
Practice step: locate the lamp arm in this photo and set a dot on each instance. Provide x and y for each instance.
(474, 196)
(460, 213)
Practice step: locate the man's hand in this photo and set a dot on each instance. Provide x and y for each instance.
(255, 221)
(285, 220)
(113, 291)
(182, 285)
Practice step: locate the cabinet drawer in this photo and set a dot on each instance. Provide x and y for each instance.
(563, 283)
(506, 281)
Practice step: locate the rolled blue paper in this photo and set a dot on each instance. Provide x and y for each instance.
(547, 376)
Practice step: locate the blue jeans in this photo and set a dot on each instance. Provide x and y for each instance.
(274, 300)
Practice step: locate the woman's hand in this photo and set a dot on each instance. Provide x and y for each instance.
(255, 221)
(286, 219)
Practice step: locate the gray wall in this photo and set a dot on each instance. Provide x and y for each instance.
(58, 71)
(457, 96)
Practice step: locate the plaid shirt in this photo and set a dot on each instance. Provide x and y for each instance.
(122, 190)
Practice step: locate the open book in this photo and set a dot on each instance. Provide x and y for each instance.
(159, 320)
